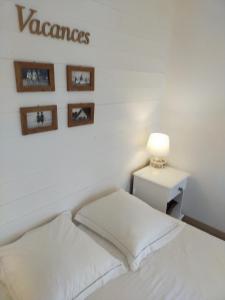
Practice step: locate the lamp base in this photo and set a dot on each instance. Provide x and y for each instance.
(158, 163)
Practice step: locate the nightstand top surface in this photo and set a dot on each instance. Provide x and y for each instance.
(167, 177)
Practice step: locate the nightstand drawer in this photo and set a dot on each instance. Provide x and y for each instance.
(177, 189)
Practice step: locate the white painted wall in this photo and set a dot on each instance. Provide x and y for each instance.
(193, 113)
(43, 174)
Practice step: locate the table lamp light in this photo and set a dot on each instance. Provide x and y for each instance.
(158, 146)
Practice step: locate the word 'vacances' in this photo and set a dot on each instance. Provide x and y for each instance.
(47, 29)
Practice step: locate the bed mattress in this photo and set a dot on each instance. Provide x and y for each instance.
(190, 267)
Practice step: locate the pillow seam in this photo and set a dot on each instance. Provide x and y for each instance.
(134, 256)
(162, 236)
(96, 280)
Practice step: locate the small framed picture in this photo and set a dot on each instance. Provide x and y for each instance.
(80, 114)
(80, 78)
(38, 119)
(34, 77)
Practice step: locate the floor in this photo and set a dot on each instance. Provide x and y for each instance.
(204, 227)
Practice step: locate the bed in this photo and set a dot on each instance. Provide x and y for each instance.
(191, 266)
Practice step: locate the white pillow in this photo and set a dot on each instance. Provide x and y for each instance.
(56, 262)
(129, 223)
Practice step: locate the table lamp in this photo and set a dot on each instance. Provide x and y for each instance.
(158, 146)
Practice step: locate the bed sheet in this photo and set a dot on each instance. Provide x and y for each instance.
(190, 267)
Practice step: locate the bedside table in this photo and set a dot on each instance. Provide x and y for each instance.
(161, 188)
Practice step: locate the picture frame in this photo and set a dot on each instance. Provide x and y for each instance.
(34, 77)
(37, 119)
(80, 114)
(80, 78)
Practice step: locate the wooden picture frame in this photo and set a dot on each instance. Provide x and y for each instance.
(80, 78)
(37, 119)
(34, 77)
(80, 114)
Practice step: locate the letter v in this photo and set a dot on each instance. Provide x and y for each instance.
(23, 24)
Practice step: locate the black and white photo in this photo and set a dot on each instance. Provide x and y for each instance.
(80, 114)
(38, 119)
(80, 78)
(34, 77)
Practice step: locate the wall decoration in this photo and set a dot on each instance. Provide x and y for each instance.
(28, 19)
(34, 77)
(80, 78)
(38, 119)
(80, 114)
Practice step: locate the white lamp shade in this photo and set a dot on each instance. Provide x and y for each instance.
(158, 145)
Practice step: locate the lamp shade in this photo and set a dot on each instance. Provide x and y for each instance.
(158, 145)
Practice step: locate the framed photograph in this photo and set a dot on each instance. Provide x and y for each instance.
(38, 119)
(34, 77)
(80, 78)
(80, 114)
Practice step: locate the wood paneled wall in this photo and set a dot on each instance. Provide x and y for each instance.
(44, 174)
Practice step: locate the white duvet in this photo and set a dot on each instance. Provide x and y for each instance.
(191, 267)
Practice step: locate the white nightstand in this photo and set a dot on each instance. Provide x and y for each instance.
(161, 188)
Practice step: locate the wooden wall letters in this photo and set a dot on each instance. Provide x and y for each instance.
(47, 29)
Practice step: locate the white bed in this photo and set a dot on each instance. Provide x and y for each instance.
(189, 267)
(181, 270)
